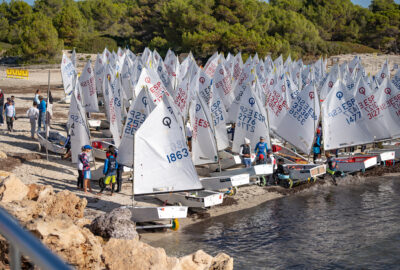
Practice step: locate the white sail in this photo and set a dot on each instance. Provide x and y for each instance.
(138, 112)
(278, 103)
(99, 68)
(73, 57)
(374, 117)
(388, 102)
(343, 123)
(116, 110)
(68, 74)
(126, 77)
(223, 84)
(162, 160)
(204, 148)
(383, 73)
(299, 125)
(251, 121)
(219, 116)
(88, 86)
(211, 65)
(78, 128)
(150, 78)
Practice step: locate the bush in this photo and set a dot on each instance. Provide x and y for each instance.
(96, 44)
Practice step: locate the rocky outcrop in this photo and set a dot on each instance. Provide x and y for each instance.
(116, 224)
(133, 254)
(78, 246)
(11, 188)
(57, 220)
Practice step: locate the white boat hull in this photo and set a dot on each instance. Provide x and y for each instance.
(199, 199)
(305, 172)
(254, 171)
(225, 182)
(152, 213)
(359, 165)
(53, 143)
(100, 153)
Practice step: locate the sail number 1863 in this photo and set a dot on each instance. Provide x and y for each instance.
(174, 156)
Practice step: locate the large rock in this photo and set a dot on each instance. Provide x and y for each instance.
(78, 246)
(201, 260)
(3, 155)
(222, 262)
(116, 224)
(42, 201)
(11, 188)
(121, 254)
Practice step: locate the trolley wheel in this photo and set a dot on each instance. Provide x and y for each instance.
(289, 183)
(101, 182)
(263, 181)
(175, 224)
(235, 190)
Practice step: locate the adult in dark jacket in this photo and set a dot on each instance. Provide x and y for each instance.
(1, 107)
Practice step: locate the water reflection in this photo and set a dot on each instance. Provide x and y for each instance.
(346, 227)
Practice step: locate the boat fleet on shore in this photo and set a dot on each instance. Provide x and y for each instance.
(153, 105)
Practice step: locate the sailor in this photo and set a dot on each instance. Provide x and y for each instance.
(261, 148)
(189, 136)
(271, 160)
(1, 107)
(84, 159)
(33, 115)
(332, 167)
(317, 146)
(110, 170)
(281, 172)
(231, 132)
(245, 153)
(42, 113)
(120, 168)
(9, 111)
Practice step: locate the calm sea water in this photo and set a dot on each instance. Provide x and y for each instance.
(342, 227)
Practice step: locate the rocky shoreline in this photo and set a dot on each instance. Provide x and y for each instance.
(57, 219)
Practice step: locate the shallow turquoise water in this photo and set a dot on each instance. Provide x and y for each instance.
(340, 227)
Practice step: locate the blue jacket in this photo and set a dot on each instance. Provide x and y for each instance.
(261, 148)
(107, 171)
(42, 106)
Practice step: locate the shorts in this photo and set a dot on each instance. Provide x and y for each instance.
(247, 162)
(87, 175)
(108, 179)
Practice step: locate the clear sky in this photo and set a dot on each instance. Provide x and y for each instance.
(364, 3)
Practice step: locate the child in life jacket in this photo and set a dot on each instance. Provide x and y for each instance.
(110, 171)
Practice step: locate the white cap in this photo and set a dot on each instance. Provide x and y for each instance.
(246, 141)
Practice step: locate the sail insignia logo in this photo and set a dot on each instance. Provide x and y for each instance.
(339, 95)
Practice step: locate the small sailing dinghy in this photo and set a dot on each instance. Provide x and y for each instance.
(355, 164)
(55, 142)
(100, 147)
(301, 173)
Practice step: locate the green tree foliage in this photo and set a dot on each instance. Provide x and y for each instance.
(297, 27)
(39, 39)
(69, 23)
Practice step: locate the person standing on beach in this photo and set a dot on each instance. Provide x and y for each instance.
(110, 170)
(42, 113)
(36, 98)
(33, 115)
(1, 107)
(245, 153)
(84, 159)
(9, 111)
(80, 171)
(261, 149)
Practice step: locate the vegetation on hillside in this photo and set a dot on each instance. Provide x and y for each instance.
(296, 27)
